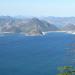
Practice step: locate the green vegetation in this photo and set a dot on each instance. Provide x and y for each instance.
(66, 70)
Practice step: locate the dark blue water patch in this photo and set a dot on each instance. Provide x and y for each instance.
(35, 55)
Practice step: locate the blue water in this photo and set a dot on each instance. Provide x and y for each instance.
(38, 55)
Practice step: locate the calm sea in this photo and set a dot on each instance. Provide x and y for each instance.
(36, 55)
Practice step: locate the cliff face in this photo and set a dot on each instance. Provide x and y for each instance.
(32, 26)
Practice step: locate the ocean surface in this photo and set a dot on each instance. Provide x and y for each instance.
(36, 55)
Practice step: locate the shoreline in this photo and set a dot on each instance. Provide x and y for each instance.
(68, 32)
(43, 33)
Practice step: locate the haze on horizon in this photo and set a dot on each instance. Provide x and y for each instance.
(60, 8)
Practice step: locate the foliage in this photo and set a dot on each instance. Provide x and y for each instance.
(66, 70)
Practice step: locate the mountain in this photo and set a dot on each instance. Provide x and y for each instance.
(69, 27)
(35, 25)
(59, 21)
(49, 26)
(29, 26)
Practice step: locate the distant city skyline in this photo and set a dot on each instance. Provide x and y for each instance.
(37, 8)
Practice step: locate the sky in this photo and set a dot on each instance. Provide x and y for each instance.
(57, 8)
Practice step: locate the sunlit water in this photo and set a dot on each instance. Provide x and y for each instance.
(38, 55)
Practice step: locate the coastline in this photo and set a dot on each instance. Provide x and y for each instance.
(43, 33)
(68, 32)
